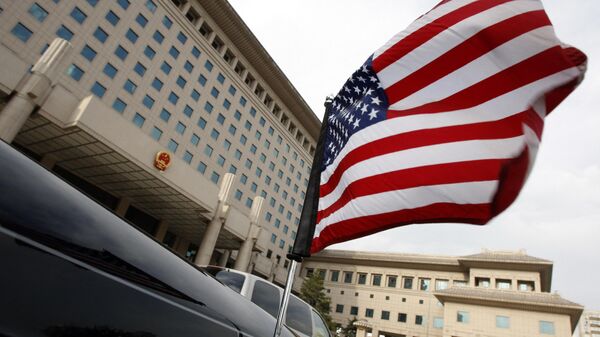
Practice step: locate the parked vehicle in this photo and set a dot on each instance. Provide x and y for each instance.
(300, 316)
(70, 267)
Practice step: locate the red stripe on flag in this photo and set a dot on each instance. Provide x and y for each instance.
(441, 212)
(427, 32)
(541, 65)
(534, 121)
(511, 181)
(504, 128)
(450, 173)
(469, 50)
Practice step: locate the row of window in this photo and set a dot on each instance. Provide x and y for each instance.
(503, 322)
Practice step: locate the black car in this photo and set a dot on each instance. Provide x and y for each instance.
(70, 267)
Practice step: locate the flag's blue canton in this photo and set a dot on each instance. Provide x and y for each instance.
(361, 102)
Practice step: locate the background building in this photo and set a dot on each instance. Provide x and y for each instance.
(589, 324)
(485, 294)
(183, 76)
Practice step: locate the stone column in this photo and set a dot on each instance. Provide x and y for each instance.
(224, 258)
(211, 234)
(245, 253)
(361, 328)
(32, 90)
(122, 206)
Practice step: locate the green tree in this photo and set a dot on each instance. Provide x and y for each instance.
(313, 293)
(349, 330)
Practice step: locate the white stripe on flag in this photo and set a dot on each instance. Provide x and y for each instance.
(424, 156)
(433, 15)
(448, 39)
(501, 58)
(478, 192)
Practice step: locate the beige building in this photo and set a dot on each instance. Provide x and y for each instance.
(486, 294)
(186, 77)
(589, 324)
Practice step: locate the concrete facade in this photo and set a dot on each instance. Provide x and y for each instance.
(486, 294)
(186, 77)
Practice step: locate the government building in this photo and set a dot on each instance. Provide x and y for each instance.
(490, 294)
(169, 112)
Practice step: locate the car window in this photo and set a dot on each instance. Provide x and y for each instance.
(298, 316)
(234, 281)
(320, 326)
(266, 296)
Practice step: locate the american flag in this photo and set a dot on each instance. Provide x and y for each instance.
(441, 124)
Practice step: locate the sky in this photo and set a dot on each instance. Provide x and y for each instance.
(318, 44)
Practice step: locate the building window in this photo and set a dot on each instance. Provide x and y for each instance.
(65, 33)
(110, 70)
(196, 52)
(167, 22)
(38, 12)
(195, 140)
(165, 115)
(441, 284)
(181, 37)
(188, 111)
(354, 311)
(419, 320)
(121, 52)
(402, 317)
(148, 102)
(462, 316)
(208, 151)
(138, 120)
(181, 82)
(347, 277)
(100, 35)
(438, 322)
(221, 160)
(339, 308)
(526, 285)
(75, 72)
(214, 134)
(129, 86)
(131, 36)
(391, 281)
(151, 6)
(158, 37)
(77, 14)
(98, 89)
(208, 107)
(385, 315)
(214, 92)
(503, 284)
(156, 133)
(139, 69)
(547, 328)
(376, 280)
(214, 177)
(208, 65)
(180, 128)
(141, 20)
(369, 312)
(112, 18)
(335, 274)
(188, 67)
(226, 104)
(243, 101)
(201, 167)
(174, 52)
(93, 3)
(119, 105)
(123, 3)
(361, 278)
(483, 282)
(195, 95)
(202, 80)
(173, 98)
(165, 67)
(502, 322)
(157, 84)
(172, 145)
(424, 284)
(202, 123)
(149, 52)
(187, 157)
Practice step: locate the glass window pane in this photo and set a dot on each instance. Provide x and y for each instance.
(298, 316)
(112, 18)
(75, 72)
(78, 15)
(110, 70)
(65, 33)
(98, 89)
(100, 35)
(38, 12)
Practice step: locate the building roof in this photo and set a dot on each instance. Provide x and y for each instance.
(504, 256)
(535, 301)
(246, 42)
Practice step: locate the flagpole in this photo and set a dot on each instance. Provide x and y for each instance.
(308, 211)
